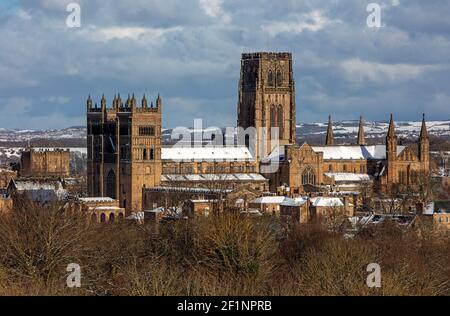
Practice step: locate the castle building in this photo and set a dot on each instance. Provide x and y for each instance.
(127, 162)
(45, 163)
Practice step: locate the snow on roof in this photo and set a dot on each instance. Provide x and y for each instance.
(269, 200)
(107, 208)
(352, 152)
(37, 184)
(326, 201)
(97, 199)
(348, 152)
(139, 216)
(294, 202)
(203, 201)
(156, 210)
(188, 190)
(206, 153)
(348, 177)
(214, 177)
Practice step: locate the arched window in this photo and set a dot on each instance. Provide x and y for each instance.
(103, 218)
(111, 218)
(270, 79)
(279, 78)
(145, 154)
(308, 177)
(111, 185)
(152, 154)
(120, 217)
(280, 122)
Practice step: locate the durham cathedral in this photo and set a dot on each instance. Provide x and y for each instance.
(127, 161)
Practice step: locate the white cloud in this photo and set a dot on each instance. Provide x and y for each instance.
(358, 70)
(214, 9)
(132, 33)
(23, 14)
(313, 21)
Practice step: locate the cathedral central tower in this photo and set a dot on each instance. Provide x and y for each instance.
(267, 96)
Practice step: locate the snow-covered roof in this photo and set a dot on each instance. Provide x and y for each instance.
(97, 200)
(186, 190)
(337, 152)
(326, 201)
(37, 184)
(269, 200)
(353, 152)
(294, 202)
(41, 190)
(107, 208)
(138, 216)
(348, 177)
(214, 177)
(206, 153)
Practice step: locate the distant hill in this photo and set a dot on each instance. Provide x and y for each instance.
(75, 136)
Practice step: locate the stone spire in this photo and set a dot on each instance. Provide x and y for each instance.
(144, 102)
(119, 101)
(423, 130)
(391, 142)
(89, 103)
(361, 138)
(424, 145)
(133, 102)
(103, 102)
(330, 139)
(391, 130)
(158, 102)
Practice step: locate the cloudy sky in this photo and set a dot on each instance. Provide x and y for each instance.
(189, 51)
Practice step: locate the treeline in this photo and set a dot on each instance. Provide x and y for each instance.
(221, 255)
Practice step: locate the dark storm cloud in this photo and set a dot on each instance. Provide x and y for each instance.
(189, 52)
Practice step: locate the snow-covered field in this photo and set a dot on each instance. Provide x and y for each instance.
(16, 135)
(376, 129)
(341, 129)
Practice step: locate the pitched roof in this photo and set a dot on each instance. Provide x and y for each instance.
(269, 200)
(294, 202)
(326, 201)
(206, 153)
(354, 152)
(348, 177)
(213, 177)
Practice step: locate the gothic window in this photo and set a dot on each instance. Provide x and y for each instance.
(97, 151)
(280, 121)
(330, 168)
(279, 78)
(111, 185)
(308, 177)
(111, 217)
(270, 79)
(103, 218)
(146, 131)
(152, 154)
(145, 154)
